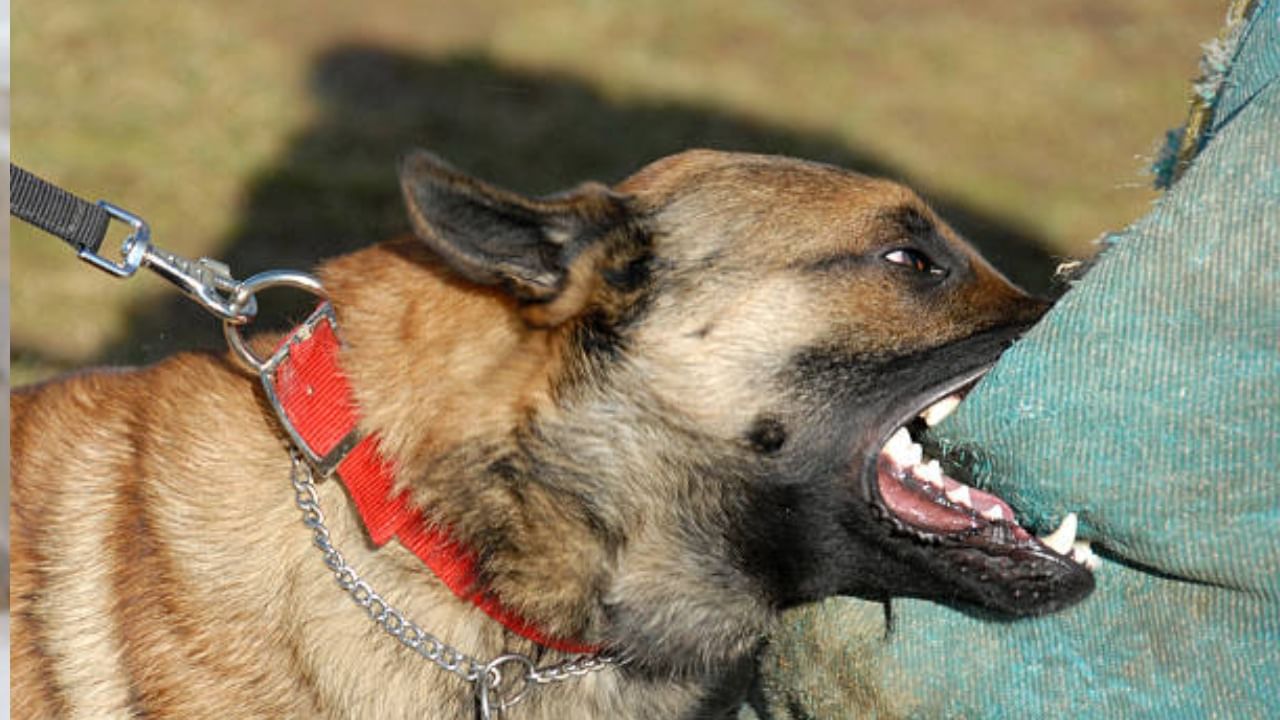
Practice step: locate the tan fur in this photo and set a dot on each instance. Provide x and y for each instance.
(159, 565)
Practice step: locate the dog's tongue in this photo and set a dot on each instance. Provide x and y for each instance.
(915, 490)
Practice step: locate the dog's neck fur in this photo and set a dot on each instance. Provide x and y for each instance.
(428, 370)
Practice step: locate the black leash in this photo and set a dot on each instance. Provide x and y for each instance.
(83, 225)
(78, 222)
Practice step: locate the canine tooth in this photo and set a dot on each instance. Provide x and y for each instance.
(898, 445)
(960, 496)
(993, 513)
(930, 472)
(936, 412)
(1062, 538)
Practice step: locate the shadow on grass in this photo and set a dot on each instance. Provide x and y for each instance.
(335, 189)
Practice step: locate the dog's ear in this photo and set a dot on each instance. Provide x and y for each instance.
(495, 237)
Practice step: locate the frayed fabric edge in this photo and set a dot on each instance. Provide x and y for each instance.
(1181, 145)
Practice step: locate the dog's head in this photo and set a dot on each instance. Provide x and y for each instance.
(731, 345)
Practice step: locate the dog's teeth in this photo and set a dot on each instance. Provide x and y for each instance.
(1082, 553)
(936, 412)
(960, 496)
(913, 455)
(993, 513)
(1062, 538)
(930, 472)
(898, 446)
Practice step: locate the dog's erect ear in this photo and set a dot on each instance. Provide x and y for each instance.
(494, 237)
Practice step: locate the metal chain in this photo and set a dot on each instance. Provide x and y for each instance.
(486, 677)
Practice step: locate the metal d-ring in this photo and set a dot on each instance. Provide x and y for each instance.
(244, 296)
(490, 681)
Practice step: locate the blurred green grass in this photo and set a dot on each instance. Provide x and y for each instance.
(266, 133)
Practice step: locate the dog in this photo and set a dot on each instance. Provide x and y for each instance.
(648, 418)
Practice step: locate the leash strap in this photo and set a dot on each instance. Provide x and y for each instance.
(77, 222)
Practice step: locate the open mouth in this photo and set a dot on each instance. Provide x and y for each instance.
(927, 502)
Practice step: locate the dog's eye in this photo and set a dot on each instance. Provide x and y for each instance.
(914, 259)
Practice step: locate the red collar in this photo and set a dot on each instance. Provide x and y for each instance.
(316, 407)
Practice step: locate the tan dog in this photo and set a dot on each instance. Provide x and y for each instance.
(654, 415)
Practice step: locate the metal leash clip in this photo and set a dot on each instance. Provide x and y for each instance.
(206, 281)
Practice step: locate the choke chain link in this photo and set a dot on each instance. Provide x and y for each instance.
(486, 677)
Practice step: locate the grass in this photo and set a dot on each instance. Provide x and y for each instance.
(266, 133)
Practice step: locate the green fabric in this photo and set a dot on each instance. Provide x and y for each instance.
(1147, 401)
